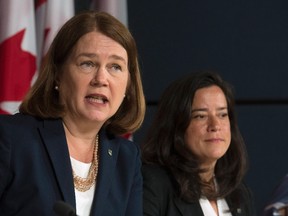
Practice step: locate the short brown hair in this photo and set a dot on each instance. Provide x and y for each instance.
(43, 101)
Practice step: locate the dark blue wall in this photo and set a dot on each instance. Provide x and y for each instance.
(247, 42)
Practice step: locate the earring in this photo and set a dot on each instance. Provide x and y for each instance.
(56, 88)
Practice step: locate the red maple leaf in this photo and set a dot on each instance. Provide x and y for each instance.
(17, 68)
(38, 3)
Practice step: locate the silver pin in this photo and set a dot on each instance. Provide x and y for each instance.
(110, 152)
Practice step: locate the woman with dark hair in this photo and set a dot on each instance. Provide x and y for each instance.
(66, 143)
(194, 157)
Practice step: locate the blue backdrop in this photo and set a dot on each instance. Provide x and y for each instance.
(247, 42)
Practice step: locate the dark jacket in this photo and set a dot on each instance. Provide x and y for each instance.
(160, 197)
(279, 199)
(35, 170)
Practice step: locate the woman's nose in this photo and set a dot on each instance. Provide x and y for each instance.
(214, 124)
(100, 77)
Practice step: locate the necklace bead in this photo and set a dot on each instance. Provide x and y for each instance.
(84, 184)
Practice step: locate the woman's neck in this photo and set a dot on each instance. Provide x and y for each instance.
(81, 145)
(208, 173)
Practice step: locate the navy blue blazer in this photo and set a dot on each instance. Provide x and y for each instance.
(35, 170)
(279, 198)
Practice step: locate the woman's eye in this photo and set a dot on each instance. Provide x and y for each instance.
(86, 64)
(223, 115)
(115, 67)
(198, 116)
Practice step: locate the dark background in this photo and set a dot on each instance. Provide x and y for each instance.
(246, 41)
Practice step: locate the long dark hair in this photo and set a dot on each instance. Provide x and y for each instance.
(165, 145)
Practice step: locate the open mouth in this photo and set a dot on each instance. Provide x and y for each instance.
(97, 99)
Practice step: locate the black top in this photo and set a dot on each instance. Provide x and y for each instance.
(160, 197)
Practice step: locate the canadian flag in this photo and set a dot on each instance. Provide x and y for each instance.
(27, 28)
(50, 16)
(117, 8)
(17, 52)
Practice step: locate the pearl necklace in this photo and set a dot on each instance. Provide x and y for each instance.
(84, 184)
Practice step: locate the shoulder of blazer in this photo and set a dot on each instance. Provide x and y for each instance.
(122, 143)
(155, 171)
(18, 123)
(159, 178)
(158, 182)
(23, 120)
(18, 118)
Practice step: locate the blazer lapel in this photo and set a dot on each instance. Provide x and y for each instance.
(107, 163)
(188, 209)
(53, 135)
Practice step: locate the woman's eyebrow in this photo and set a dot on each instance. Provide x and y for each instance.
(117, 57)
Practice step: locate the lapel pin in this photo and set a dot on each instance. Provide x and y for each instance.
(110, 152)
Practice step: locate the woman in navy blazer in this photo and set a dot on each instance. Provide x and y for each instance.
(65, 143)
(194, 156)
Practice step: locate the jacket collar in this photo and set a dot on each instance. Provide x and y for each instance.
(188, 208)
(195, 208)
(53, 135)
(54, 138)
(109, 148)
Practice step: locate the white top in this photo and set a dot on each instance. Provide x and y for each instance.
(83, 199)
(223, 208)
